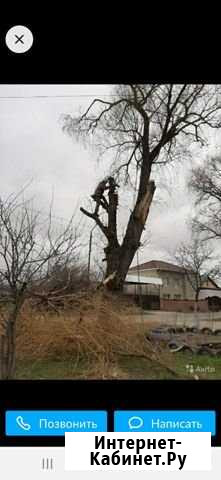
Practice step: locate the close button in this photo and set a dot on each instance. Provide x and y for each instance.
(19, 39)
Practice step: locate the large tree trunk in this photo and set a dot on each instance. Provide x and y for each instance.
(8, 343)
(119, 258)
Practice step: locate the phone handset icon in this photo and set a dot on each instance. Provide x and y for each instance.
(22, 424)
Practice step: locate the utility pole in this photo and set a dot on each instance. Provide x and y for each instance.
(89, 252)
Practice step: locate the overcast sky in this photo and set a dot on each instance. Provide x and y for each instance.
(34, 148)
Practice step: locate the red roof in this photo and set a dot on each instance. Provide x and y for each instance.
(158, 265)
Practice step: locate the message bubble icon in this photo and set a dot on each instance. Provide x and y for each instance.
(135, 422)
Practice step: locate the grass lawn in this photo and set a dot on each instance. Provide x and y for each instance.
(185, 364)
(48, 369)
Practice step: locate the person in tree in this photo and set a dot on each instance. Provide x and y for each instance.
(98, 196)
(99, 193)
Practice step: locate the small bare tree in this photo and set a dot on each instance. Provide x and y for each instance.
(29, 246)
(142, 126)
(195, 258)
(205, 182)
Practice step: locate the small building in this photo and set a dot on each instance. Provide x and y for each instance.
(145, 290)
(174, 290)
(213, 296)
(175, 282)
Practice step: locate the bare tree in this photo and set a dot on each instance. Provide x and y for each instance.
(29, 246)
(141, 126)
(68, 278)
(205, 182)
(195, 258)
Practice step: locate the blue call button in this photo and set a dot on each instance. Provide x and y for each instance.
(54, 423)
(165, 421)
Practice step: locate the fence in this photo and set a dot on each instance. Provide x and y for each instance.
(185, 306)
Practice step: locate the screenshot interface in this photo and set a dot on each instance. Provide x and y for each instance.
(110, 270)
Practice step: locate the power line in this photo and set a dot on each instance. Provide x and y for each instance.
(53, 96)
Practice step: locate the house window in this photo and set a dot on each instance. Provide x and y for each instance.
(177, 297)
(166, 296)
